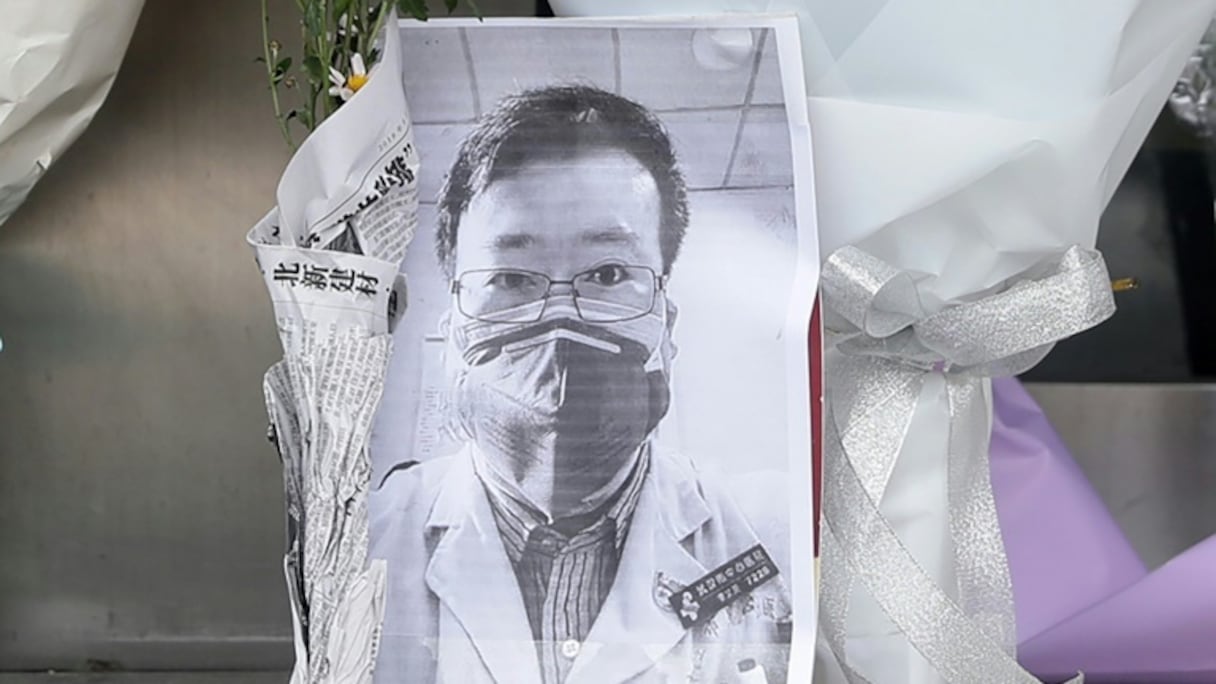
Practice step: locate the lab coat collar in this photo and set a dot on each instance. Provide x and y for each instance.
(670, 474)
(471, 575)
(634, 627)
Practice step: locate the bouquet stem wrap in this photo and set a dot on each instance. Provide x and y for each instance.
(968, 146)
(887, 347)
(330, 253)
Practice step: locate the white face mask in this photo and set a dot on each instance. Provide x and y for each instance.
(560, 407)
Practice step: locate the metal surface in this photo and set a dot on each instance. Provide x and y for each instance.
(141, 521)
(1159, 228)
(1150, 451)
(151, 678)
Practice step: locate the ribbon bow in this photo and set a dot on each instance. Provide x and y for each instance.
(888, 346)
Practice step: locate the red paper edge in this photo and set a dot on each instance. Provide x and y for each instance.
(815, 348)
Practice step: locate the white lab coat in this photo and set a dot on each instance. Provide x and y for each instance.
(454, 613)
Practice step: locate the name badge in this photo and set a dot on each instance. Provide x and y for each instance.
(700, 601)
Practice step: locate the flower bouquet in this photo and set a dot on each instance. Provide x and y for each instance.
(963, 156)
(330, 253)
(57, 70)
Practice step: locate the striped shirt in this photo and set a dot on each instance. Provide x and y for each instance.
(565, 568)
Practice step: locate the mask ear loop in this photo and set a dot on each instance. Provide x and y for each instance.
(658, 359)
(665, 442)
(454, 366)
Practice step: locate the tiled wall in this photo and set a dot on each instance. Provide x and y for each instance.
(726, 118)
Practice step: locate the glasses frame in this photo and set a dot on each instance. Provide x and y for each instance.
(660, 285)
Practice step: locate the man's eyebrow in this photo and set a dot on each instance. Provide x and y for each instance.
(509, 241)
(616, 235)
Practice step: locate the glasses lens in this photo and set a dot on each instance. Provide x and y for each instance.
(613, 292)
(502, 295)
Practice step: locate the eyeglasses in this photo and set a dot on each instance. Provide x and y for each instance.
(605, 294)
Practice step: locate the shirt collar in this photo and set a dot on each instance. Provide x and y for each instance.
(517, 519)
(462, 499)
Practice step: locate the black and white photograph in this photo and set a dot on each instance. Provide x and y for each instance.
(591, 462)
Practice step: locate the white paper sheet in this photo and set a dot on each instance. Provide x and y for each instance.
(736, 437)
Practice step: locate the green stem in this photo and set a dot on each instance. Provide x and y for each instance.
(343, 41)
(363, 43)
(385, 8)
(311, 123)
(274, 86)
(326, 52)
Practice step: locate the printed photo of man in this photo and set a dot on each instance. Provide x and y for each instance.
(549, 547)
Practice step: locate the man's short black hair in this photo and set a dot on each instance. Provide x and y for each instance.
(559, 122)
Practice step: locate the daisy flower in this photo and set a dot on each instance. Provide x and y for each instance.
(345, 87)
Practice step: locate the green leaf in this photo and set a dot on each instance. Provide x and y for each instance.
(314, 19)
(451, 5)
(415, 8)
(260, 60)
(341, 7)
(283, 65)
(476, 10)
(315, 70)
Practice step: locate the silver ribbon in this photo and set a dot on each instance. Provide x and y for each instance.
(889, 345)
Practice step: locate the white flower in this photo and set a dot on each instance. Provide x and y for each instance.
(338, 87)
(345, 87)
(358, 76)
(347, 27)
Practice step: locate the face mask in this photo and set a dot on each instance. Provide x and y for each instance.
(559, 408)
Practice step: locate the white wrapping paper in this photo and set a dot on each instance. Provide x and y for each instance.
(963, 143)
(57, 63)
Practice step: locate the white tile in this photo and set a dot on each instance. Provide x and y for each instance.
(437, 145)
(764, 157)
(507, 61)
(703, 142)
(436, 75)
(660, 70)
(768, 78)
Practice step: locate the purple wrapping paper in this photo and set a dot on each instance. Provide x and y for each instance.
(1083, 598)
(1065, 551)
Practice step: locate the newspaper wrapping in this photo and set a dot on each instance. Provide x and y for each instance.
(330, 253)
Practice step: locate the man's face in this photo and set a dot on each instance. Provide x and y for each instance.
(560, 406)
(565, 216)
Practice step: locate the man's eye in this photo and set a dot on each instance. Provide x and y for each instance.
(507, 280)
(608, 275)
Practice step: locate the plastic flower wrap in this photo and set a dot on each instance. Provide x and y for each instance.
(964, 153)
(56, 68)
